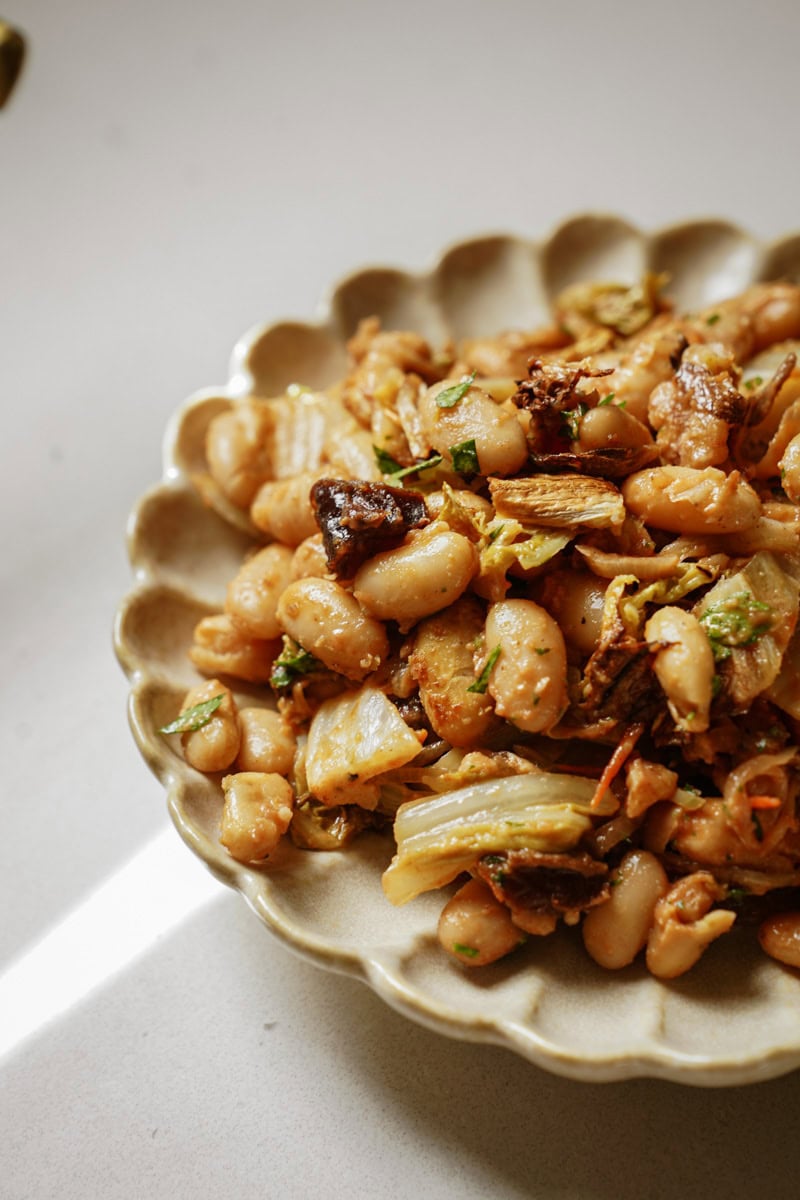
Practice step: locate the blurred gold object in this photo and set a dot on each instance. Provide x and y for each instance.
(12, 56)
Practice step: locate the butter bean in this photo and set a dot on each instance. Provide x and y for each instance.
(253, 595)
(256, 812)
(475, 928)
(215, 745)
(610, 425)
(615, 932)
(692, 500)
(497, 431)
(309, 558)
(221, 647)
(239, 450)
(780, 937)
(684, 665)
(424, 575)
(529, 679)
(329, 622)
(267, 742)
(282, 508)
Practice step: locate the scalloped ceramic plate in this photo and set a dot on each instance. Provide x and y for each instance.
(736, 1017)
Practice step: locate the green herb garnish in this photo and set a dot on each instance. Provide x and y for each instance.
(756, 381)
(195, 717)
(465, 457)
(394, 470)
(450, 397)
(737, 621)
(542, 649)
(482, 682)
(386, 464)
(465, 951)
(571, 420)
(759, 832)
(712, 320)
(606, 400)
(292, 662)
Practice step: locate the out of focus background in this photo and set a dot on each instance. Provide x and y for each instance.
(170, 175)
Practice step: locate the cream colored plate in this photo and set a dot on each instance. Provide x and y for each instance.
(736, 1017)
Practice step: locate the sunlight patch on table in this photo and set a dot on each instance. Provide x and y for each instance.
(151, 894)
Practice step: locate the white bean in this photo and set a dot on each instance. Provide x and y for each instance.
(684, 665)
(309, 558)
(790, 469)
(253, 594)
(615, 932)
(576, 599)
(221, 647)
(426, 574)
(475, 928)
(610, 425)
(329, 622)
(692, 500)
(780, 937)
(256, 812)
(268, 742)
(683, 926)
(497, 431)
(215, 745)
(282, 509)
(528, 681)
(239, 450)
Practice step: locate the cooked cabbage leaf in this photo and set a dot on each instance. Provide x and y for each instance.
(438, 837)
(352, 739)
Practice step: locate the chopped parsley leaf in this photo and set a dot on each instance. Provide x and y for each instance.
(482, 682)
(542, 649)
(450, 397)
(606, 400)
(737, 621)
(571, 420)
(465, 951)
(290, 665)
(465, 457)
(195, 717)
(712, 320)
(386, 464)
(390, 467)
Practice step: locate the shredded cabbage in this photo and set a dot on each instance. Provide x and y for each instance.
(662, 591)
(439, 837)
(352, 739)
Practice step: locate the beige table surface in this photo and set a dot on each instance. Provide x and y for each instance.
(172, 173)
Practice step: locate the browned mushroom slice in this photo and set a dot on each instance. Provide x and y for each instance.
(559, 500)
(536, 885)
(612, 462)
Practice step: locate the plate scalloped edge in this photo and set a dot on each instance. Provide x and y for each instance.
(584, 1027)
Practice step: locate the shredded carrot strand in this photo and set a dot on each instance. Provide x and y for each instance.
(764, 801)
(617, 761)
